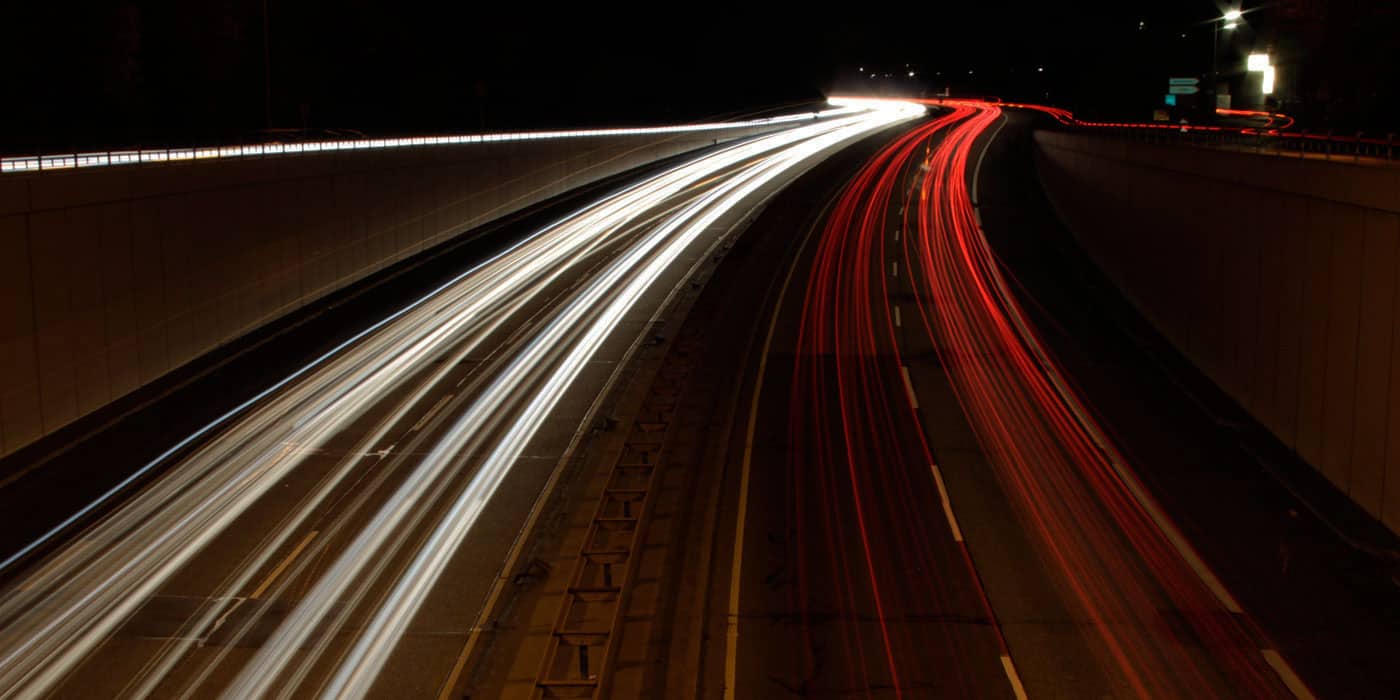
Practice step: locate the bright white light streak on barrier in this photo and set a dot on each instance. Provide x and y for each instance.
(359, 669)
(69, 161)
(334, 588)
(56, 616)
(140, 473)
(182, 512)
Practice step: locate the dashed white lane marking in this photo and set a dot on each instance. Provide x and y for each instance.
(909, 386)
(1010, 668)
(1291, 680)
(894, 269)
(431, 412)
(947, 503)
(896, 317)
(896, 235)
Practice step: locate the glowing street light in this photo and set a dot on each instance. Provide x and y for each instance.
(1231, 20)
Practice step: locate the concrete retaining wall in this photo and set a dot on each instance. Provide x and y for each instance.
(112, 277)
(1278, 278)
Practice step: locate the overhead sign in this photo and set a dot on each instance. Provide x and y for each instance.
(1183, 89)
(1183, 81)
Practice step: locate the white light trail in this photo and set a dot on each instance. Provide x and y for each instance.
(54, 618)
(69, 161)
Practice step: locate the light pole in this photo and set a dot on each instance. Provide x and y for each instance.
(1231, 20)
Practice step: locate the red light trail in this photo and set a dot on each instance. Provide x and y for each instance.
(1158, 620)
(858, 473)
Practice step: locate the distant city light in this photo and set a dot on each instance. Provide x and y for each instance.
(911, 73)
(1257, 61)
(1233, 16)
(1040, 69)
(1230, 25)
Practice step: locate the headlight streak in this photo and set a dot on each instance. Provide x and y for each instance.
(635, 272)
(392, 360)
(59, 614)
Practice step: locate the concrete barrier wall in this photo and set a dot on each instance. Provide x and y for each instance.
(1278, 278)
(112, 277)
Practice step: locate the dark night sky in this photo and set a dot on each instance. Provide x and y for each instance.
(138, 72)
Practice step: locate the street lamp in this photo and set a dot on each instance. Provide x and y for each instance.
(1231, 20)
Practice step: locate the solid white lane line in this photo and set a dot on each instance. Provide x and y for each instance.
(977, 170)
(731, 642)
(909, 386)
(282, 566)
(1011, 675)
(947, 503)
(1291, 680)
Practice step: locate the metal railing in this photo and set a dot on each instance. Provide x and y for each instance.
(1272, 136)
(1355, 148)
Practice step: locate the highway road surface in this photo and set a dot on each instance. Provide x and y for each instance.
(902, 450)
(339, 536)
(902, 471)
(927, 506)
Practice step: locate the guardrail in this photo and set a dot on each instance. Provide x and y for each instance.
(1299, 144)
(69, 161)
(1271, 138)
